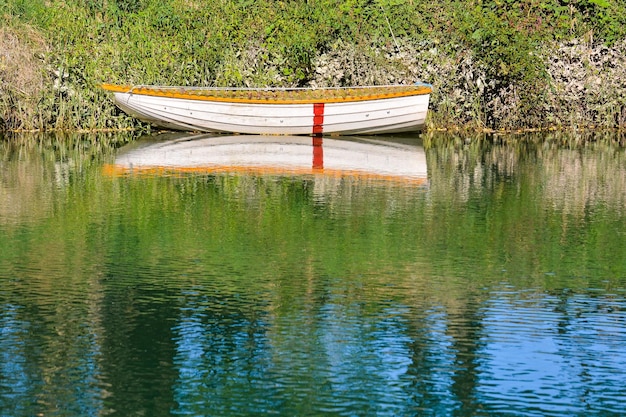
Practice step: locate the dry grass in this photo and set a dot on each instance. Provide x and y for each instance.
(22, 73)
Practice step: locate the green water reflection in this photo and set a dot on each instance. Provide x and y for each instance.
(497, 286)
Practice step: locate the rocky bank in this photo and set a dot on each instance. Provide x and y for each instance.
(583, 86)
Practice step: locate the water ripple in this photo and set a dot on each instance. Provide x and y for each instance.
(545, 352)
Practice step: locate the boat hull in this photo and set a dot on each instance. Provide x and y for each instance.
(361, 117)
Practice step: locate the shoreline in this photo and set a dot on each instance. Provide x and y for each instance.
(469, 131)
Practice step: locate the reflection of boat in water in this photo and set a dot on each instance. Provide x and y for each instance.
(365, 157)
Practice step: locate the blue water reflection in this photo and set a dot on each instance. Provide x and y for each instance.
(15, 382)
(551, 355)
(221, 358)
(536, 354)
(68, 385)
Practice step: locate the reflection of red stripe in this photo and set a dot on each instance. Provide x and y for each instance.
(318, 152)
(318, 118)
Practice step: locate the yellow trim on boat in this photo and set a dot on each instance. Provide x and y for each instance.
(277, 95)
(114, 170)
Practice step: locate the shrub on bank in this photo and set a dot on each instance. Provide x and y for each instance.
(494, 63)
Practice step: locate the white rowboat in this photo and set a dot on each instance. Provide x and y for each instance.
(296, 111)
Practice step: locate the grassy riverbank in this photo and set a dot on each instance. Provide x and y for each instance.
(510, 64)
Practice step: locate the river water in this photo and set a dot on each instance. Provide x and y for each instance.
(432, 275)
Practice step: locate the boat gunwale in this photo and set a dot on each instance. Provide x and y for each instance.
(229, 94)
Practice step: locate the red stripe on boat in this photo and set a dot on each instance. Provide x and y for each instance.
(318, 118)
